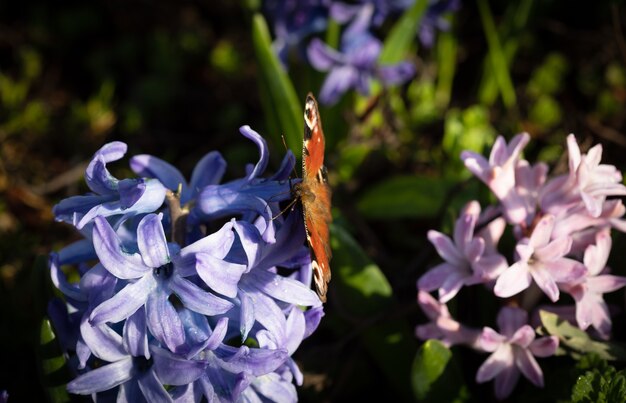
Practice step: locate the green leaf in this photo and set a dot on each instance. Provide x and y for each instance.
(280, 102)
(53, 364)
(434, 377)
(365, 295)
(577, 340)
(405, 196)
(497, 56)
(606, 386)
(363, 288)
(402, 34)
(446, 64)
(510, 33)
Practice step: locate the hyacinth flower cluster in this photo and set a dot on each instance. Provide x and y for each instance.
(355, 64)
(562, 229)
(183, 290)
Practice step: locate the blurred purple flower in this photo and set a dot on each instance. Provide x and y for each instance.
(356, 64)
(111, 196)
(344, 12)
(294, 21)
(588, 291)
(513, 351)
(469, 258)
(541, 260)
(433, 20)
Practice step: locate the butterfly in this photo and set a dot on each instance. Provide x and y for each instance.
(314, 194)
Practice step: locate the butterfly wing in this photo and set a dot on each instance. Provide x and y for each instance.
(316, 196)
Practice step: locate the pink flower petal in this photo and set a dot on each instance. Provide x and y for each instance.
(544, 280)
(435, 277)
(606, 283)
(554, 250)
(544, 346)
(523, 336)
(490, 340)
(527, 364)
(445, 248)
(513, 280)
(497, 362)
(542, 232)
(505, 382)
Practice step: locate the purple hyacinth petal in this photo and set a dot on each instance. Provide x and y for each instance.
(282, 288)
(152, 242)
(197, 299)
(219, 332)
(98, 178)
(60, 281)
(103, 378)
(360, 24)
(313, 318)
(135, 334)
(396, 74)
(217, 244)
(260, 166)
(109, 250)
(566, 270)
(77, 252)
(130, 191)
(268, 313)
(208, 171)
(253, 360)
(176, 370)
(295, 329)
(513, 280)
(221, 276)
(528, 366)
(152, 389)
(321, 56)
(103, 341)
(544, 346)
(153, 167)
(125, 302)
(338, 81)
(246, 317)
(163, 320)
(250, 240)
(275, 389)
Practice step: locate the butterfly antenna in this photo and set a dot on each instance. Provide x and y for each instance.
(295, 173)
(283, 211)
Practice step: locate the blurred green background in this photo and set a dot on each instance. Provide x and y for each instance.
(177, 79)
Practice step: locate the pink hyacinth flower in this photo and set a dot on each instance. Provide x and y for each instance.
(513, 352)
(468, 258)
(591, 310)
(541, 260)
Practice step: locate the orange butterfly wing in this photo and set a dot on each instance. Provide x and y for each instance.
(315, 195)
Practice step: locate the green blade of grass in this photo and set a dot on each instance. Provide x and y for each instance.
(280, 102)
(497, 56)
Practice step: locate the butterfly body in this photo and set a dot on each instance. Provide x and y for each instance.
(315, 195)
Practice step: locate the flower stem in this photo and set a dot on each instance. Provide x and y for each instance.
(178, 216)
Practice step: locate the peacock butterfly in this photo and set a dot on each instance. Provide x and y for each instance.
(314, 194)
